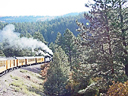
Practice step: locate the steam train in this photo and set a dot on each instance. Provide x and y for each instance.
(8, 64)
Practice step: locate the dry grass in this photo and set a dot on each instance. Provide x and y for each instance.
(18, 84)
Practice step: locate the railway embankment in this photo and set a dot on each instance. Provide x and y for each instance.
(25, 81)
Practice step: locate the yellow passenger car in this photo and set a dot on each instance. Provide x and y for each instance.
(39, 59)
(30, 60)
(10, 63)
(2, 65)
(20, 61)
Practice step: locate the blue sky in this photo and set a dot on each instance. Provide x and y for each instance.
(41, 7)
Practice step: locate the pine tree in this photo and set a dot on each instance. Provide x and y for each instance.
(39, 36)
(68, 45)
(57, 75)
(119, 20)
(59, 39)
(102, 41)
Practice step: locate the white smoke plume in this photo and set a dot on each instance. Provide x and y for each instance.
(15, 41)
(41, 52)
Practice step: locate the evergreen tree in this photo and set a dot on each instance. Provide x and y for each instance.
(28, 35)
(39, 36)
(102, 42)
(68, 45)
(119, 18)
(59, 39)
(57, 76)
(53, 46)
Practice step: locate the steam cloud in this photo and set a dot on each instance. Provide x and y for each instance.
(15, 41)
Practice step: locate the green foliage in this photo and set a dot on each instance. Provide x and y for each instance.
(103, 51)
(53, 46)
(49, 29)
(57, 75)
(59, 39)
(28, 35)
(39, 36)
(67, 43)
(2, 25)
(1, 53)
(42, 31)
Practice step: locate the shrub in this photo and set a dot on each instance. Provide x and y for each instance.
(118, 89)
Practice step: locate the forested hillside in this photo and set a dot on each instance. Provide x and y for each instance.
(11, 19)
(49, 29)
(46, 32)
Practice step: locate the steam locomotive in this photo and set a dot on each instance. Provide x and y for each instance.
(8, 64)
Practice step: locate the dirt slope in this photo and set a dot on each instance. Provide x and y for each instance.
(22, 82)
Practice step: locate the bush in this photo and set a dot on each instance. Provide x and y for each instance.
(118, 89)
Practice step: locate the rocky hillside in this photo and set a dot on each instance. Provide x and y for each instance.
(22, 82)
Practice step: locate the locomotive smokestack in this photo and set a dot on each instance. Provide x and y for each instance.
(15, 41)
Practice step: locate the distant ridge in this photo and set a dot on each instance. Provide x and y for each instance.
(73, 14)
(11, 19)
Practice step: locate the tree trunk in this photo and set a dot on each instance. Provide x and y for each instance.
(126, 69)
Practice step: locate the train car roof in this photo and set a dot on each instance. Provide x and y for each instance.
(10, 58)
(39, 57)
(3, 58)
(20, 57)
(29, 57)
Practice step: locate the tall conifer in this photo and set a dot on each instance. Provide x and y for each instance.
(57, 75)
